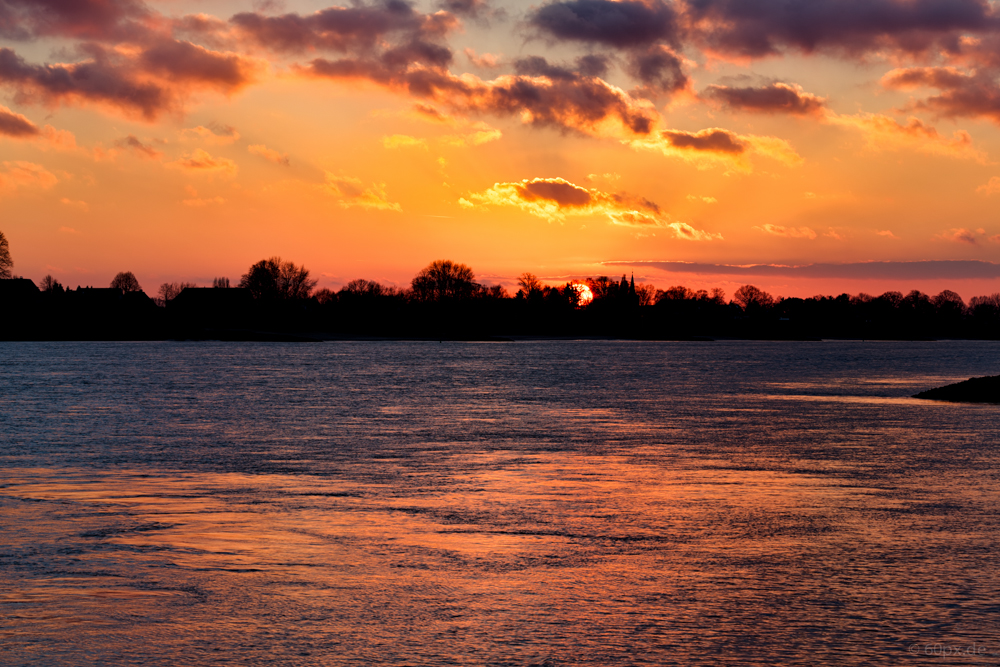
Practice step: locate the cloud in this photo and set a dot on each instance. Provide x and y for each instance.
(563, 99)
(15, 125)
(83, 19)
(929, 270)
(774, 98)
(268, 154)
(705, 200)
(213, 134)
(81, 205)
(718, 146)
(352, 192)
(886, 233)
(403, 141)
(991, 187)
(660, 71)
(885, 133)
(143, 83)
(356, 29)
(200, 161)
(973, 95)
(19, 174)
(962, 235)
(623, 25)
(484, 60)
(144, 150)
(787, 232)
(481, 134)
(742, 29)
(554, 199)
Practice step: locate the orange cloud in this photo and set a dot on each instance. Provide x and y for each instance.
(352, 192)
(774, 98)
(554, 199)
(787, 232)
(991, 187)
(20, 174)
(885, 133)
(714, 146)
(214, 134)
(269, 154)
(962, 235)
(200, 161)
(404, 141)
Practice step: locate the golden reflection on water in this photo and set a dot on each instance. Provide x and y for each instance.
(646, 520)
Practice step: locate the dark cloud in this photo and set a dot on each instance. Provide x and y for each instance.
(15, 125)
(935, 269)
(478, 10)
(95, 81)
(586, 66)
(712, 141)
(973, 95)
(358, 28)
(767, 27)
(81, 19)
(561, 192)
(772, 98)
(659, 69)
(183, 61)
(145, 83)
(131, 142)
(625, 25)
(559, 98)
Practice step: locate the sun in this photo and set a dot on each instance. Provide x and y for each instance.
(586, 296)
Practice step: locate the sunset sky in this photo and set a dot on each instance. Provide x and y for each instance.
(805, 146)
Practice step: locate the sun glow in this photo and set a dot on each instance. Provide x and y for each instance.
(586, 296)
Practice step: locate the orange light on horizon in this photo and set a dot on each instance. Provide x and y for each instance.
(586, 296)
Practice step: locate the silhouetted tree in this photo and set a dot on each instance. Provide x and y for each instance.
(645, 294)
(325, 296)
(444, 280)
(221, 283)
(675, 293)
(6, 263)
(529, 284)
(752, 298)
(949, 307)
(126, 281)
(169, 291)
(603, 288)
(364, 288)
(275, 279)
(50, 284)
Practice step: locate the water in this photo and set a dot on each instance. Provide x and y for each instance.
(529, 503)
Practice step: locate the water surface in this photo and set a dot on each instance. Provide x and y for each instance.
(528, 503)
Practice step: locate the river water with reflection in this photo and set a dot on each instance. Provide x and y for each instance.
(526, 503)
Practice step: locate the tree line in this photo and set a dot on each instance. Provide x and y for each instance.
(445, 299)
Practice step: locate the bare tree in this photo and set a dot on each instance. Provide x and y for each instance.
(126, 281)
(364, 288)
(221, 283)
(529, 283)
(169, 291)
(750, 297)
(444, 279)
(275, 279)
(6, 263)
(602, 287)
(645, 294)
(50, 284)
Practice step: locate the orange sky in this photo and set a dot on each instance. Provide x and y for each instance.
(185, 140)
